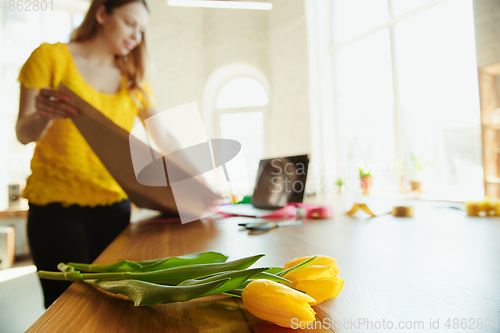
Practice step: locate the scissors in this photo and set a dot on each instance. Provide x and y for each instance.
(269, 225)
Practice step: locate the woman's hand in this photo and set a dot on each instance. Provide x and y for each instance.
(212, 203)
(52, 104)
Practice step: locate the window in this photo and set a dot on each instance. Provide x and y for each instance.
(353, 17)
(365, 99)
(404, 6)
(241, 106)
(242, 92)
(406, 90)
(21, 32)
(438, 61)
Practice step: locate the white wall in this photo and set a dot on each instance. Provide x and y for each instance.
(232, 35)
(188, 44)
(175, 43)
(289, 122)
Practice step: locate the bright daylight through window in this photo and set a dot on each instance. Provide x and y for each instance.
(27, 30)
(241, 105)
(406, 93)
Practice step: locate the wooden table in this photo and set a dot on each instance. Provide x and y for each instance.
(438, 265)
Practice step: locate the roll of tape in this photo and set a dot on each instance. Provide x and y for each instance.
(403, 211)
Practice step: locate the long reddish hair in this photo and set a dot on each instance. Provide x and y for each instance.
(134, 65)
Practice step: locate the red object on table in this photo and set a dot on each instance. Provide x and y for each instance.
(313, 211)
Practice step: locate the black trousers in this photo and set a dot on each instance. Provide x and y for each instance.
(73, 234)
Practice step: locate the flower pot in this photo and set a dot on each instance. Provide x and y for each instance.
(366, 185)
(416, 185)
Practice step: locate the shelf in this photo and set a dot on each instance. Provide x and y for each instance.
(491, 126)
(493, 69)
(490, 102)
(11, 213)
(493, 180)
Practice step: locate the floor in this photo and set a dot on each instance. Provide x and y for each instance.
(21, 299)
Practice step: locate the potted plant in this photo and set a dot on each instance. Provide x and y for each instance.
(366, 180)
(418, 167)
(340, 183)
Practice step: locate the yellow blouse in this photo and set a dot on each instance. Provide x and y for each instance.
(64, 167)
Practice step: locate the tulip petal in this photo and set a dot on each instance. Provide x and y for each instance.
(304, 264)
(311, 273)
(269, 288)
(279, 311)
(321, 290)
(320, 260)
(277, 303)
(338, 287)
(319, 280)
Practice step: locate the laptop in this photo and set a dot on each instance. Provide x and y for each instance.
(279, 181)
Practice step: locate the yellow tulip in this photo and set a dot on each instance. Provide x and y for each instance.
(319, 280)
(278, 303)
(320, 260)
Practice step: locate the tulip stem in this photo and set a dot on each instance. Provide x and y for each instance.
(234, 293)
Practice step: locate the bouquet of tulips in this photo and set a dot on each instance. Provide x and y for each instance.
(271, 293)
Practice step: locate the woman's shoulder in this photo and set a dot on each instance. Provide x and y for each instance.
(44, 64)
(48, 51)
(52, 48)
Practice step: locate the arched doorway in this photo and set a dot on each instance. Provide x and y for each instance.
(235, 104)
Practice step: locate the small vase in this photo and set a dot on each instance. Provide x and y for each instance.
(366, 185)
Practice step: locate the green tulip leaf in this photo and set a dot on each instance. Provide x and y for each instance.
(265, 276)
(209, 257)
(234, 293)
(272, 277)
(149, 294)
(236, 279)
(305, 264)
(172, 276)
(274, 270)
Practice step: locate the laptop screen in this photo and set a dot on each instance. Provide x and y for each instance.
(280, 180)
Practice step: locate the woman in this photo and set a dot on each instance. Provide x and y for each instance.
(76, 207)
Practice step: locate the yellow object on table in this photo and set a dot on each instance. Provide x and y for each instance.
(398, 211)
(403, 211)
(486, 207)
(320, 280)
(362, 206)
(289, 304)
(277, 303)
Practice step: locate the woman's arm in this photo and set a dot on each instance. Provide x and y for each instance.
(168, 143)
(37, 111)
(165, 141)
